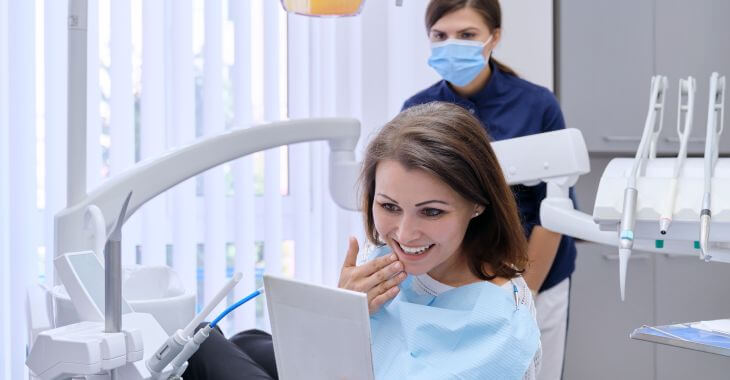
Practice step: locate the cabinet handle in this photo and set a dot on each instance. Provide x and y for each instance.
(692, 140)
(635, 256)
(622, 138)
(680, 256)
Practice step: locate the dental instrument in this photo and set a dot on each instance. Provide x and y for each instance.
(715, 116)
(687, 88)
(643, 153)
(179, 364)
(177, 341)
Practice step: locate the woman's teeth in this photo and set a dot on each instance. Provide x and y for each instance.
(415, 250)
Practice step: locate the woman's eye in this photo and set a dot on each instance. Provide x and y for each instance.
(432, 212)
(467, 35)
(389, 207)
(437, 36)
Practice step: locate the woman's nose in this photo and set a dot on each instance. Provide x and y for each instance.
(408, 229)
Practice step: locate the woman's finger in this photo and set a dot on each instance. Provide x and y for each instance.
(375, 265)
(386, 285)
(381, 275)
(352, 249)
(375, 304)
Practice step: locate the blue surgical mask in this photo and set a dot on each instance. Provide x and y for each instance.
(458, 61)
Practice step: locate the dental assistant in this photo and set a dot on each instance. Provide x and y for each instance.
(463, 34)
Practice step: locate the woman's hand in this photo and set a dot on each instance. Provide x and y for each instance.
(377, 278)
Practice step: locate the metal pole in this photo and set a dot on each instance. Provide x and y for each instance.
(76, 142)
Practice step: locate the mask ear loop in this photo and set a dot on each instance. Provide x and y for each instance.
(488, 40)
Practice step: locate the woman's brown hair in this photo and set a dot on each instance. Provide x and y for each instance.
(488, 9)
(446, 141)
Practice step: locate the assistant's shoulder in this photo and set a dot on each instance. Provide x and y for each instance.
(540, 99)
(535, 92)
(429, 94)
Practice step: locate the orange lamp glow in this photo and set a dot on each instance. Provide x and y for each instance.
(323, 8)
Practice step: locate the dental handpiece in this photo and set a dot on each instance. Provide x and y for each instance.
(687, 88)
(705, 215)
(179, 364)
(626, 242)
(177, 341)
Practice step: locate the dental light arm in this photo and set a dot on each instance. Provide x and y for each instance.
(150, 178)
(560, 169)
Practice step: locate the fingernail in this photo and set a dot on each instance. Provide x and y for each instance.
(393, 257)
(398, 266)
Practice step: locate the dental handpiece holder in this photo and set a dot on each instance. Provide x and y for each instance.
(683, 236)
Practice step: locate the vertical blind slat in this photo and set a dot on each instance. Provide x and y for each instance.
(298, 63)
(183, 131)
(22, 141)
(345, 94)
(214, 123)
(315, 154)
(329, 210)
(56, 43)
(121, 104)
(93, 120)
(152, 128)
(272, 158)
(243, 169)
(5, 337)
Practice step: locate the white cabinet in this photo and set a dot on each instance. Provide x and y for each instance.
(608, 51)
(598, 344)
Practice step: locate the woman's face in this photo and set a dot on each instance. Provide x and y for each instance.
(421, 218)
(464, 24)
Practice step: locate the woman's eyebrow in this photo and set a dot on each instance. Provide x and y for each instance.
(389, 198)
(470, 28)
(431, 201)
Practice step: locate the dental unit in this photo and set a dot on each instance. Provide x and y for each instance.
(646, 151)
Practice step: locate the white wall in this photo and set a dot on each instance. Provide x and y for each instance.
(527, 39)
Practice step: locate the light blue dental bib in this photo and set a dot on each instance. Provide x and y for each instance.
(470, 332)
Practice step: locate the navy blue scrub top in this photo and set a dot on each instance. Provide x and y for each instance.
(511, 107)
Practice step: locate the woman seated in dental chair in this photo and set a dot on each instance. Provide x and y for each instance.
(444, 284)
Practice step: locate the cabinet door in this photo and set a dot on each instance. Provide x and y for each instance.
(606, 60)
(598, 344)
(688, 290)
(692, 39)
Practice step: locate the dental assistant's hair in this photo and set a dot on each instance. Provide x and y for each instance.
(446, 141)
(489, 10)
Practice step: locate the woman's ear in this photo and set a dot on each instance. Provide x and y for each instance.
(478, 210)
(497, 32)
(496, 37)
